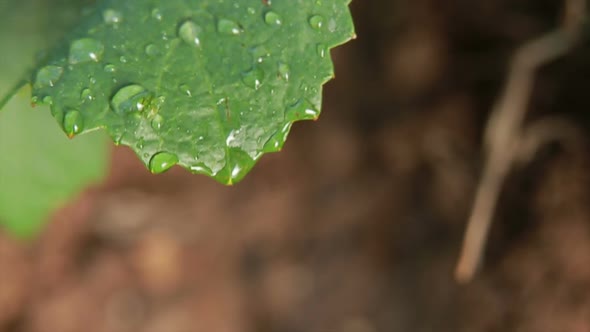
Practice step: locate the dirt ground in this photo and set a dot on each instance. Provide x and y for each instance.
(356, 225)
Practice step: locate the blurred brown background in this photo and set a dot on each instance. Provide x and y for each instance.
(356, 225)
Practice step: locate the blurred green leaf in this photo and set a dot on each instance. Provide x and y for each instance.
(40, 169)
(207, 84)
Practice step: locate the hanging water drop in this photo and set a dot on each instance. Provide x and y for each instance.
(85, 50)
(48, 76)
(228, 27)
(272, 18)
(162, 161)
(130, 98)
(189, 31)
(316, 22)
(73, 123)
(253, 78)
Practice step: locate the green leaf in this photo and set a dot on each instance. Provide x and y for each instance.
(210, 85)
(40, 169)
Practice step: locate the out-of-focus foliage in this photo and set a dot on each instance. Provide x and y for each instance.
(40, 168)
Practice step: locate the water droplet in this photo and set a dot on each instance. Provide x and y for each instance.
(73, 123)
(47, 100)
(332, 25)
(86, 94)
(316, 22)
(130, 98)
(321, 49)
(275, 143)
(189, 31)
(251, 11)
(152, 50)
(140, 143)
(201, 169)
(301, 110)
(272, 18)
(284, 71)
(112, 16)
(157, 122)
(162, 161)
(231, 137)
(85, 49)
(235, 173)
(228, 27)
(259, 52)
(48, 76)
(157, 14)
(109, 68)
(185, 89)
(117, 138)
(123, 59)
(253, 77)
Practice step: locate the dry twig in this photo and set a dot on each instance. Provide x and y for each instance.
(506, 139)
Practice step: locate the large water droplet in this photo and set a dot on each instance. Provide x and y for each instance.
(189, 31)
(112, 16)
(48, 76)
(73, 123)
(162, 161)
(157, 122)
(253, 77)
(272, 18)
(130, 98)
(228, 27)
(85, 49)
(284, 71)
(301, 110)
(316, 22)
(152, 50)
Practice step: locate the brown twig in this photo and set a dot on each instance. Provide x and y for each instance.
(505, 133)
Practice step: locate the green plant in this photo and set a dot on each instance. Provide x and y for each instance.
(210, 85)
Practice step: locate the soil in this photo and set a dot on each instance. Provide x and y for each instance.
(357, 224)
